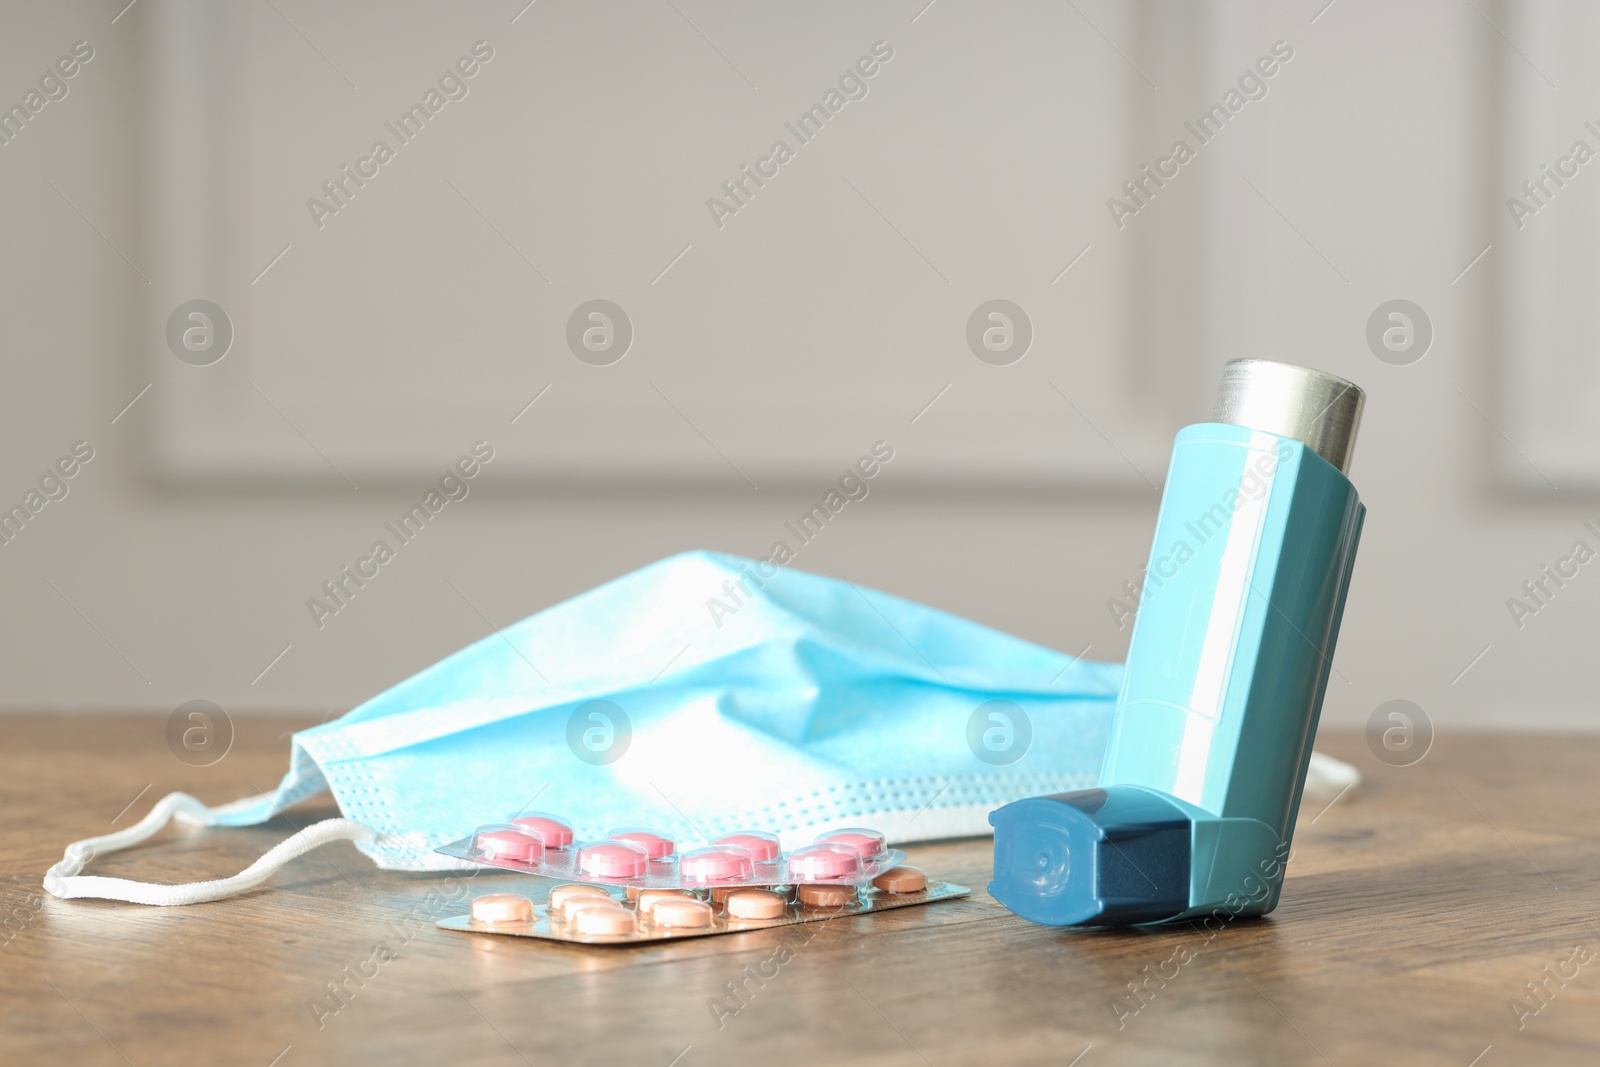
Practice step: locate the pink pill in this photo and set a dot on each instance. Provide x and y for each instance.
(613, 859)
(556, 833)
(716, 863)
(507, 844)
(656, 844)
(822, 863)
(763, 847)
(867, 842)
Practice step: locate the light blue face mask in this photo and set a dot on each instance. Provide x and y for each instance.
(702, 694)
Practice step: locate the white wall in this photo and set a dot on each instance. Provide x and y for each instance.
(990, 143)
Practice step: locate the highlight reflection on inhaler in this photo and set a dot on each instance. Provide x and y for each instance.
(1226, 672)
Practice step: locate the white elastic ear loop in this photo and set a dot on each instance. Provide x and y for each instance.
(1328, 778)
(63, 880)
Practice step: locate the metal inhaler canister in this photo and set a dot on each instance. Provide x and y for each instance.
(1226, 672)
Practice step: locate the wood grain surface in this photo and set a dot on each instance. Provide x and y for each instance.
(1418, 910)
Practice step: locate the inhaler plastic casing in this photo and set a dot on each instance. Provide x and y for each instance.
(1226, 671)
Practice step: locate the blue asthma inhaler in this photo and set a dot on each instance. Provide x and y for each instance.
(1226, 672)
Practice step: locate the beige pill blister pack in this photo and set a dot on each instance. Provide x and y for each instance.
(592, 915)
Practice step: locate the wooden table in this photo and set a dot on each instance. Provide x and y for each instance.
(1416, 911)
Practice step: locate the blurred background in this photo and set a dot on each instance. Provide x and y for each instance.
(367, 316)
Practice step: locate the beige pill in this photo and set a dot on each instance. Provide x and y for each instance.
(902, 880)
(681, 913)
(604, 920)
(502, 908)
(562, 896)
(649, 898)
(755, 904)
(826, 895)
(570, 909)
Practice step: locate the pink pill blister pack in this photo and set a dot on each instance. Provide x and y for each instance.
(639, 858)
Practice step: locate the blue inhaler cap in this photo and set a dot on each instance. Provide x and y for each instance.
(1110, 857)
